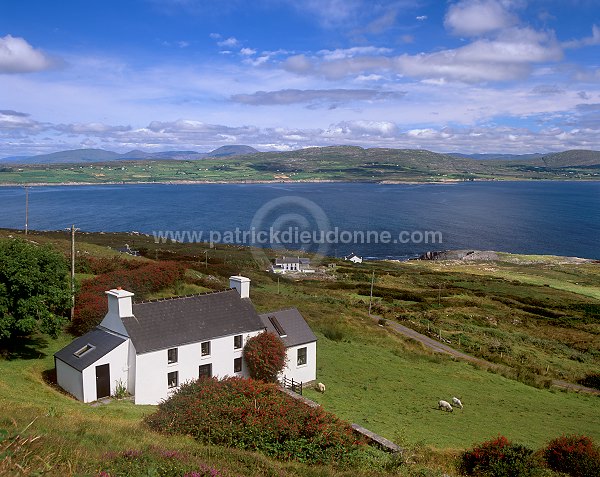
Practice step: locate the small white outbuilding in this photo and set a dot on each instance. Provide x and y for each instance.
(152, 347)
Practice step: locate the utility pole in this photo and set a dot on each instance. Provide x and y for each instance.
(26, 209)
(73, 230)
(371, 296)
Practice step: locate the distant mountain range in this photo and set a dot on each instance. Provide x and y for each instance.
(100, 155)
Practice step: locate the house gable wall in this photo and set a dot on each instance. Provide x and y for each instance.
(304, 373)
(117, 359)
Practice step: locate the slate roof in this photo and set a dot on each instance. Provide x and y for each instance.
(297, 330)
(102, 341)
(177, 321)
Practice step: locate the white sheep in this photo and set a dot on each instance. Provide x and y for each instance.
(320, 387)
(445, 406)
(456, 402)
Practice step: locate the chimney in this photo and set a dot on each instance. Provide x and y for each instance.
(119, 302)
(241, 284)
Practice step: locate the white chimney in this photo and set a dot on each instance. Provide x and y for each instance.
(119, 302)
(119, 306)
(241, 284)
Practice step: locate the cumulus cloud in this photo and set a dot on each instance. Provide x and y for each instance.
(15, 120)
(588, 41)
(247, 51)
(18, 56)
(478, 17)
(228, 42)
(291, 96)
(507, 55)
(422, 18)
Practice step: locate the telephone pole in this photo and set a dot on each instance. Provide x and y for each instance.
(73, 230)
(371, 296)
(26, 209)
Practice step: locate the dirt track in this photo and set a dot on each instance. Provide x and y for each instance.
(443, 348)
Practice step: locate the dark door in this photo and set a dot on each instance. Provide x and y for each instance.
(205, 371)
(102, 381)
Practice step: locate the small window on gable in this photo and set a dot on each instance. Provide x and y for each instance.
(205, 348)
(172, 355)
(86, 349)
(237, 341)
(301, 356)
(173, 379)
(237, 365)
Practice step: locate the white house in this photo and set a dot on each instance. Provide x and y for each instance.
(292, 264)
(152, 347)
(354, 258)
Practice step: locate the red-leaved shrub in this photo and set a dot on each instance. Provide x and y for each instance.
(265, 356)
(91, 304)
(574, 455)
(498, 458)
(255, 415)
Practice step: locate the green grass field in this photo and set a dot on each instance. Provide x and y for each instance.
(502, 311)
(394, 392)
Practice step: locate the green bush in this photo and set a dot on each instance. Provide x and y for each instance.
(573, 455)
(257, 416)
(498, 458)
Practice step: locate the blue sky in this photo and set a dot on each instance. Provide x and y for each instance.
(509, 76)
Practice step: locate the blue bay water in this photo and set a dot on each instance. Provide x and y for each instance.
(559, 218)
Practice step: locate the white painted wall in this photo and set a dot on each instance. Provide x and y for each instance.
(117, 359)
(304, 373)
(152, 368)
(69, 379)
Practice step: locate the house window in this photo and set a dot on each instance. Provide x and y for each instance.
(237, 342)
(172, 355)
(237, 365)
(205, 348)
(173, 379)
(86, 349)
(205, 371)
(301, 356)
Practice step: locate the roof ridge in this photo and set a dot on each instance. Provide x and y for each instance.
(192, 295)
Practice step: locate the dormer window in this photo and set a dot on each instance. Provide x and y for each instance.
(82, 351)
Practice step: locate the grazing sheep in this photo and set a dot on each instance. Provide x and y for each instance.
(445, 406)
(456, 402)
(320, 387)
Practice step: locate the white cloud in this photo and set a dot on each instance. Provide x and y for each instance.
(18, 56)
(478, 17)
(229, 42)
(353, 52)
(422, 18)
(247, 51)
(291, 96)
(588, 41)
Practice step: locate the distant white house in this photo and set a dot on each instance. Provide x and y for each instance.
(292, 264)
(354, 258)
(152, 347)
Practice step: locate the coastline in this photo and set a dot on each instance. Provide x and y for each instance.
(284, 181)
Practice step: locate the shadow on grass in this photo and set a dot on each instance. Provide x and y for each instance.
(27, 347)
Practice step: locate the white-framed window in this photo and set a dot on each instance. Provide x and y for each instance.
(173, 379)
(237, 365)
(238, 341)
(205, 348)
(205, 371)
(301, 361)
(172, 356)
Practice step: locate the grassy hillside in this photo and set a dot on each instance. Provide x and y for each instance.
(536, 315)
(341, 163)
